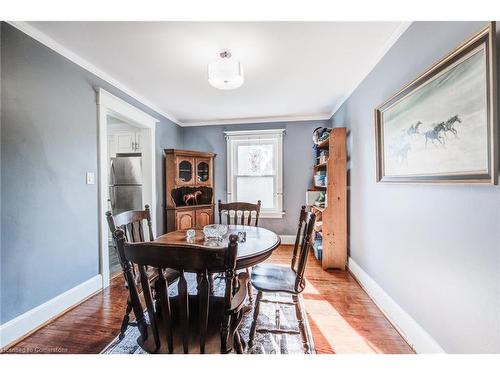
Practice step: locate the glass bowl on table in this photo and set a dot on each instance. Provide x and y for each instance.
(214, 233)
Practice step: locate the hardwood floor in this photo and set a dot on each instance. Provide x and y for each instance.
(342, 317)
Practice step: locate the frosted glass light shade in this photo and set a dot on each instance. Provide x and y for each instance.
(225, 74)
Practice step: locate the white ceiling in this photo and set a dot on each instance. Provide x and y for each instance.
(293, 70)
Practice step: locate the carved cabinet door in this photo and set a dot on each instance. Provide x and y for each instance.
(185, 220)
(204, 217)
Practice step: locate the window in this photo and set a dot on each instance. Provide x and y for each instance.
(255, 169)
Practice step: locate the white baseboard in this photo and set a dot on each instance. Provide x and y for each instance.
(287, 239)
(413, 333)
(34, 318)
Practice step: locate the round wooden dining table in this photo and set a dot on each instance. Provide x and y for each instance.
(257, 247)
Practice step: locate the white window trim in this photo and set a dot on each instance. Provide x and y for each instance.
(230, 181)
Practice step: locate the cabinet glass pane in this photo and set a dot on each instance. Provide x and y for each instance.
(251, 189)
(255, 160)
(185, 171)
(202, 171)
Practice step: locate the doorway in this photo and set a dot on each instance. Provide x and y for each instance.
(127, 139)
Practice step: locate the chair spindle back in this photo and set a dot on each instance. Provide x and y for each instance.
(239, 209)
(186, 258)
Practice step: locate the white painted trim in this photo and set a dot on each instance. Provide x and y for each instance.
(414, 334)
(34, 318)
(403, 26)
(46, 40)
(243, 133)
(257, 120)
(124, 111)
(109, 104)
(270, 135)
(271, 215)
(288, 239)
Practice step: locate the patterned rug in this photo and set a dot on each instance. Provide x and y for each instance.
(264, 343)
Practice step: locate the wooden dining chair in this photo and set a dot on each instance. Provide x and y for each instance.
(198, 322)
(240, 209)
(273, 278)
(132, 223)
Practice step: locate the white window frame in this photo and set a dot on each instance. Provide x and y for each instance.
(273, 135)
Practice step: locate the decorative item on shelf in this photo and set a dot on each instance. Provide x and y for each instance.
(320, 134)
(318, 247)
(178, 194)
(191, 197)
(323, 156)
(214, 231)
(318, 225)
(320, 179)
(321, 200)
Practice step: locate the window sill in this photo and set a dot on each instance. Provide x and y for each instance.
(271, 215)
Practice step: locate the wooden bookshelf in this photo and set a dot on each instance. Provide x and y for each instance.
(334, 215)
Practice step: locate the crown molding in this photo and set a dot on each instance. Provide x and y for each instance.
(47, 41)
(80, 61)
(257, 120)
(254, 132)
(403, 26)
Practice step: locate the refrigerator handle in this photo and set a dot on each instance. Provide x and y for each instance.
(111, 173)
(111, 200)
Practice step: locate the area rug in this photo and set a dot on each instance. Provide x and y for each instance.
(264, 343)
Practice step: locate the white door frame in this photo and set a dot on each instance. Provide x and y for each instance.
(108, 104)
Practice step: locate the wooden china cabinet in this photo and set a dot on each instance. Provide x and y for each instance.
(188, 174)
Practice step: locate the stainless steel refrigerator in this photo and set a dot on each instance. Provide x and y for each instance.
(125, 183)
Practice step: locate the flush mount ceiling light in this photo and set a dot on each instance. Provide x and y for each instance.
(225, 73)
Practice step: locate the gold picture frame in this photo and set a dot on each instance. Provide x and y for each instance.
(444, 120)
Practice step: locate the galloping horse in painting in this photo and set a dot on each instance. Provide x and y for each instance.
(434, 134)
(414, 129)
(402, 153)
(449, 125)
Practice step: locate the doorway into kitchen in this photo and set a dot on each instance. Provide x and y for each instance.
(127, 170)
(126, 185)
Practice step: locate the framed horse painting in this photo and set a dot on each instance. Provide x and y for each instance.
(442, 127)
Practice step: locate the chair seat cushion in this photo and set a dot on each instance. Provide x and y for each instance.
(273, 278)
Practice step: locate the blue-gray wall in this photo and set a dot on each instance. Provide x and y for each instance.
(434, 249)
(298, 159)
(49, 226)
